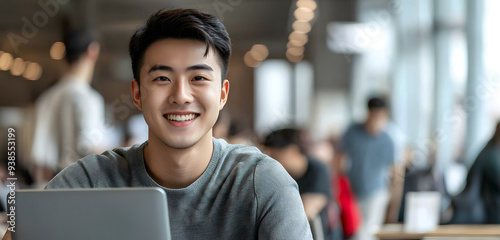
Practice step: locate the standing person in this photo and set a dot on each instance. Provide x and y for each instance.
(311, 175)
(370, 152)
(214, 190)
(70, 114)
(483, 180)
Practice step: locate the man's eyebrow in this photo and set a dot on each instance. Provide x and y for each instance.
(190, 68)
(160, 68)
(199, 67)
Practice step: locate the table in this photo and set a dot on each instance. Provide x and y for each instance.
(486, 231)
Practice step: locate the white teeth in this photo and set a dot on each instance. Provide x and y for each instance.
(180, 118)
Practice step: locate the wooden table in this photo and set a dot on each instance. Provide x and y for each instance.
(396, 231)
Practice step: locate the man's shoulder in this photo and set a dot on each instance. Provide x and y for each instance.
(95, 169)
(249, 159)
(237, 151)
(109, 158)
(243, 155)
(354, 128)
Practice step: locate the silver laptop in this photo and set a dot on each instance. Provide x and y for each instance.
(78, 214)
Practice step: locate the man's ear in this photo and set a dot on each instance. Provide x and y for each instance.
(224, 93)
(136, 94)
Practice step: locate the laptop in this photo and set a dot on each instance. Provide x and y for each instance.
(78, 214)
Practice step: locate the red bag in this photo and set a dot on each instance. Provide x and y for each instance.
(350, 214)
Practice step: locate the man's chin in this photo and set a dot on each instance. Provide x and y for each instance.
(180, 144)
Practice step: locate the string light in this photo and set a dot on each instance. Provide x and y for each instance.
(303, 14)
(5, 61)
(309, 4)
(303, 27)
(57, 51)
(33, 71)
(18, 67)
(259, 52)
(249, 60)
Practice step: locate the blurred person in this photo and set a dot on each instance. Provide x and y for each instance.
(238, 134)
(479, 202)
(70, 113)
(369, 152)
(214, 190)
(221, 127)
(349, 212)
(232, 130)
(311, 175)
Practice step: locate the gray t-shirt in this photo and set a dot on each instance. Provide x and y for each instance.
(243, 194)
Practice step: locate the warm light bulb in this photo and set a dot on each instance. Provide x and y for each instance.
(5, 61)
(303, 27)
(309, 4)
(18, 67)
(259, 52)
(57, 51)
(249, 60)
(33, 71)
(303, 14)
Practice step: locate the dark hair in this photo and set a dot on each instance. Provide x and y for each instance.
(76, 39)
(77, 42)
(283, 138)
(376, 103)
(180, 24)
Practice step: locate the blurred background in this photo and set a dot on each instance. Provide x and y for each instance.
(312, 65)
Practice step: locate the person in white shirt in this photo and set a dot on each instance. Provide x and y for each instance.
(69, 115)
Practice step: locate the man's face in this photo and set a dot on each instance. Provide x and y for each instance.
(180, 92)
(377, 119)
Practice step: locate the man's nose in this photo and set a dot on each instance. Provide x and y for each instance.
(181, 93)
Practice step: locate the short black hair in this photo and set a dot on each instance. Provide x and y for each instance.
(283, 138)
(376, 103)
(77, 41)
(181, 24)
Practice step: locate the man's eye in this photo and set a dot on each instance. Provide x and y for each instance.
(162, 78)
(198, 78)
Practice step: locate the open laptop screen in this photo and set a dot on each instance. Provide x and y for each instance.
(77, 214)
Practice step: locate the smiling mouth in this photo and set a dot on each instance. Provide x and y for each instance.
(181, 117)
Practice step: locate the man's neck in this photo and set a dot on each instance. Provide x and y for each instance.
(83, 69)
(177, 168)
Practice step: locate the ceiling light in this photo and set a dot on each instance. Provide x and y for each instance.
(57, 51)
(249, 60)
(309, 4)
(5, 61)
(293, 58)
(294, 43)
(303, 14)
(33, 71)
(301, 37)
(259, 52)
(303, 27)
(18, 67)
(296, 51)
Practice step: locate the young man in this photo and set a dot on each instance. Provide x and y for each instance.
(371, 153)
(214, 190)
